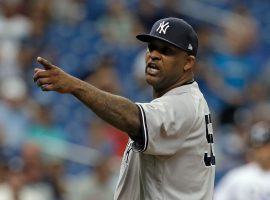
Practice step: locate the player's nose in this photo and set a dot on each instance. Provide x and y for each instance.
(154, 55)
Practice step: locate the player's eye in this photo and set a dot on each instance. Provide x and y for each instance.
(167, 51)
(150, 48)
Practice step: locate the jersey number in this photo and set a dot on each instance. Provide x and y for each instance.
(209, 159)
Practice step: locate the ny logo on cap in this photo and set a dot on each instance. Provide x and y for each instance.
(163, 27)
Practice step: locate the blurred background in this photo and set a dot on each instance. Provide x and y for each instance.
(54, 148)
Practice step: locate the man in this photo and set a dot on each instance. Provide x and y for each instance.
(170, 152)
(251, 181)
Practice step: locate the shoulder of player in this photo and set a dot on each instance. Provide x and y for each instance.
(176, 105)
(175, 100)
(183, 98)
(188, 88)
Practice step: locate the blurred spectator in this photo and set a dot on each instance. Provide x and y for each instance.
(70, 11)
(98, 186)
(143, 91)
(55, 178)
(15, 107)
(43, 132)
(13, 28)
(251, 181)
(34, 43)
(117, 24)
(232, 66)
(35, 185)
(205, 33)
(107, 139)
(260, 112)
(5, 152)
(232, 136)
(240, 27)
(98, 137)
(260, 88)
(103, 136)
(170, 8)
(105, 76)
(24, 180)
(11, 189)
(147, 12)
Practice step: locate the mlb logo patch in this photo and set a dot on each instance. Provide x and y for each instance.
(190, 47)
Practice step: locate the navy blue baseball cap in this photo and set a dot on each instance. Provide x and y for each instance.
(175, 31)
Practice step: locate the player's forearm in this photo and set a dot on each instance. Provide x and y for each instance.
(116, 110)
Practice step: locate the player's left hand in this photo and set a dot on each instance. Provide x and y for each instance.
(52, 78)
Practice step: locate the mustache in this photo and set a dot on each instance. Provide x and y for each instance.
(152, 65)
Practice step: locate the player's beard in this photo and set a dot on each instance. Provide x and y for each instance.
(161, 84)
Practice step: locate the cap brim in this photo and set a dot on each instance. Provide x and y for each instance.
(149, 38)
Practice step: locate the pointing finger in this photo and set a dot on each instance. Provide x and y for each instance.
(41, 74)
(43, 81)
(46, 64)
(38, 70)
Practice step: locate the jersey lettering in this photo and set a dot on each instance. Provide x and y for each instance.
(209, 159)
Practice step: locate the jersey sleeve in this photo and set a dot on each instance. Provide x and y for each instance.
(165, 124)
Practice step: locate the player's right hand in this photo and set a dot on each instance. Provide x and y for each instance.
(52, 78)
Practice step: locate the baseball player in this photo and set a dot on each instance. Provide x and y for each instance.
(170, 153)
(250, 181)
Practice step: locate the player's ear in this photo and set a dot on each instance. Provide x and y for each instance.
(190, 62)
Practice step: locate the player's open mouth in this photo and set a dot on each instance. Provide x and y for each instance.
(152, 69)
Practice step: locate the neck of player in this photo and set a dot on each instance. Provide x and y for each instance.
(185, 79)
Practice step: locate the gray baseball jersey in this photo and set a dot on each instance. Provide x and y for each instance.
(176, 159)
